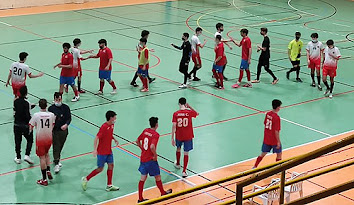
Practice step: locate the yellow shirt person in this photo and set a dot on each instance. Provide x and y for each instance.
(294, 54)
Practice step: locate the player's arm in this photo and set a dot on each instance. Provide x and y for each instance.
(68, 119)
(289, 54)
(308, 56)
(190, 107)
(278, 139)
(177, 47)
(335, 57)
(146, 53)
(95, 145)
(65, 66)
(109, 63)
(8, 78)
(217, 59)
(115, 140)
(225, 42)
(35, 76)
(86, 51)
(174, 128)
(153, 150)
(250, 54)
(237, 44)
(202, 45)
(138, 142)
(91, 56)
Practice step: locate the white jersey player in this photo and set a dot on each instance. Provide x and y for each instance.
(314, 50)
(330, 61)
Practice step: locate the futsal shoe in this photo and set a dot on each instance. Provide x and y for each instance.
(287, 75)
(183, 86)
(151, 80)
(313, 84)
(298, 80)
(60, 165)
(196, 79)
(17, 161)
(275, 81)
(42, 182)
(216, 85)
(319, 87)
(169, 191)
(221, 88)
(28, 159)
(225, 78)
(84, 183)
(50, 176)
(134, 84)
(100, 92)
(326, 93)
(144, 90)
(75, 98)
(237, 85)
(82, 91)
(114, 91)
(56, 169)
(330, 96)
(247, 85)
(139, 201)
(177, 166)
(112, 188)
(255, 81)
(184, 174)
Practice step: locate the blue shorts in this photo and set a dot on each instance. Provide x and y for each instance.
(67, 80)
(218, 68)
(244, 64)
(267, 148)
(151, 167)
(143, 73)
(102, 159)
(104, 74)
(187, 145)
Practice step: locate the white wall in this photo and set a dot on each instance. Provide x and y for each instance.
(7, 4)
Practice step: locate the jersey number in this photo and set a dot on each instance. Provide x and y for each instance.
(17, 71)
(268, 124)
(182, 122)
(146, 143)
(46, 123)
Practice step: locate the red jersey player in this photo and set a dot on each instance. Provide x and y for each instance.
(106, 58)
(219, 63)
(18, 73)
(182, 132)
(67, 71)
(103, 151)
(43, 121)
(271, 133)
(147, 142)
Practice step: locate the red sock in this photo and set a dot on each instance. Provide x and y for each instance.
(216, 76)
(101, 85)
(142, 80)
(92, 174)
(140, 190)
(109, 177)
(185, 162)
(259, 159)
(145, 82)
(113, 85)
(248, 74)
(178, 156)
(221, 79)
(277, 159)
(241, 76)
(159, 185)
(76, 93)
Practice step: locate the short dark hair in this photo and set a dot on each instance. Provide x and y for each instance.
(42, 103)
(186, 35)
(218, 37)
(153, 121)
(219, 25)
(143, 40)
(276, 103)
(22, 56)
(76, 41)
(198, 29)
(23, 91)
(144, 33)
(330, 42)
(182, 101)
(297, 33)
(110, 114)
(66, 45)
(102, 41)
(314, 35)
(57, 95)
(244, 30)
(264, 29)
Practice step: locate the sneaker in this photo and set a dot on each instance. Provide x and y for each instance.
(84, 183)
(17, 161)
(151, 80)
(236, 85)
(287, 75)
(60, 165)
(184, 174)
(75, 98)
(326, 93)
(100, 92)
(298, 80)
(169, 191)
(114, 91)
(144, 90)
(33, 106)
(112, 188)
(134, 84)
(313, 84)
(177, 166)
(50, 176)
(82, 91)
(139, 201)
(225, 78)
(275, 81)
(56, 169)
(196, 79)
(330, 96)
(247, 85)
(319, 87)
(182, 86)
(221, 88)
(42, 182)
(66, 88)
(255, 81)
(216, 85)
(28, 159)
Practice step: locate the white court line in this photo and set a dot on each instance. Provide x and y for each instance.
(309, 128)
(341, 25)
(1, 22)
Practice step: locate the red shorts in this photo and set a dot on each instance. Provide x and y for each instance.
(42, 149)
(16, 89)
(315, 64)
(78, 72)
(331, 71)
(196, 59)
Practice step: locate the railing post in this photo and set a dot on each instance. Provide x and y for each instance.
(282, 184)
(239, 194)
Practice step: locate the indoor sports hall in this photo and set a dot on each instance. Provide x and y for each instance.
(317, 132)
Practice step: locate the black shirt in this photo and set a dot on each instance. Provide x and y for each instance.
(62, 114)
(22, 112)
(187, 49)
(265, 55)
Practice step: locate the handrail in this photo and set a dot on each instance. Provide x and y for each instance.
(294, 181)
(213, 183)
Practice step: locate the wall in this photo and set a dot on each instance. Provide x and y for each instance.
(9, 4)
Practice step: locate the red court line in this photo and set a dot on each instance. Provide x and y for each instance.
(193, 30)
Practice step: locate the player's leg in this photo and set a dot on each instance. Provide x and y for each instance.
(216, 76)
(178, 154)
(220, 74)
(150, 79)
(294, 68)
(265, 149)
(110, 162)
(18, 141)
(223, 70)
(29, 138)
(248, 73)
(160, 186)
(183, 68)
(71, 82)
(144, 79)
(197, 67)
(332, 85)
(318, 73)
(259, 70)
(313, 77)
(43, 166)
(141, 188)
(107, 76)
(187, 146)
(101, 76)
(61, 88)
(278, 151)
(298, 79)
(324, 80)
(61, 137)
(266, 68)
(47, 161)
(101, 160)
(133, 82)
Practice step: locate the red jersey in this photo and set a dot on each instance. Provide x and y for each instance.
(104, 55)
(246, 45)
(183, 120)
(219, 51)
(146, 139)
(67, 59)
(105, 136)
(271, 124)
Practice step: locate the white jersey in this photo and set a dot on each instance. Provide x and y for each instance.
(19, 72)
(195, 41)
(218, 33)
(315, 50)
(44, 123)
(329, 60)
(76, 56)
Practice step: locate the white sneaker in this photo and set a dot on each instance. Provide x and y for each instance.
(17, 161)
(60, 165)
(182, 86)
(99, 93)
(57, 169)
(330, 96)
(75, 99)
(177, 166)
(114, 91)
(326, 93)
(28, 159)
(184, 174)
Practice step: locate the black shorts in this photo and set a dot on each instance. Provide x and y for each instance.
(295, 62)
(183, 66)
(263, 62)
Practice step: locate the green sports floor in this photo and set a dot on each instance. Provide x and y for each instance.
(229, 128)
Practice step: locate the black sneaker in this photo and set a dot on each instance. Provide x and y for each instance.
(225, 78)
(313, 84)
(134, 84)
(319, 87)
(287, 75)
(152, 80)
(168, 192)
(139, 201)
(298, 80)
(33, 106)
(196, 79)
(216, 85)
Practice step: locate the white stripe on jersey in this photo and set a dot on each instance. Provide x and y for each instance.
(19, 71)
